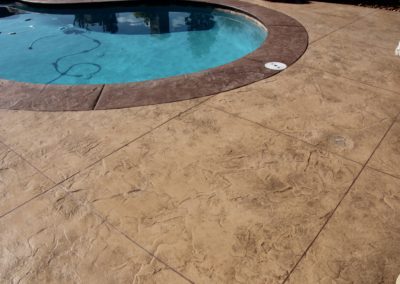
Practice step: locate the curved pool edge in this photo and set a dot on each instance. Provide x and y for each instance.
(287, 40)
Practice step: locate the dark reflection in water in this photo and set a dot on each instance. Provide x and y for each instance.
(8, 11)
(150, 19)
(155, 21)
(198, 22)
(106, 21)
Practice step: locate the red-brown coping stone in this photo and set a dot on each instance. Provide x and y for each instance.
(287, 40)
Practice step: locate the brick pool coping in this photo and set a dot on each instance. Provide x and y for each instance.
(287, 40)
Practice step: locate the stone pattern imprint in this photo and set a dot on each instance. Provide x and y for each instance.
(293, 179)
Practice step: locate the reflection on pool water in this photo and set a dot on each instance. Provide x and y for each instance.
(122, 44)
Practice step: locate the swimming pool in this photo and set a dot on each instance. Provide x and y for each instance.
(65, 69)
(119, 44)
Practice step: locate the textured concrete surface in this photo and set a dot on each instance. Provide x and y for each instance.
(293, 179)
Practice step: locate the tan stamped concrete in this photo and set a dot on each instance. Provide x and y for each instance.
(293, 179)
(60, 241)
(19, 181)
(219, 197)
(74, 140)
(361, 242)
(322, 109)
(387, 157)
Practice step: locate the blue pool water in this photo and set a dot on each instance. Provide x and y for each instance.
(120, 44)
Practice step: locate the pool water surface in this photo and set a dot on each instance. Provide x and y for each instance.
(104, 45)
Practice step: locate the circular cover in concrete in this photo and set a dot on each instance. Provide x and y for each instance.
(287, 40)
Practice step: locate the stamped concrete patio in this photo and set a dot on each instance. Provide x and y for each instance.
(294, 179)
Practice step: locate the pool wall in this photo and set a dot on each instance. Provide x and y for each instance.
(287, 40)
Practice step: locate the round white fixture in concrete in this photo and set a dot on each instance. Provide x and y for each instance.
(275, 66)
